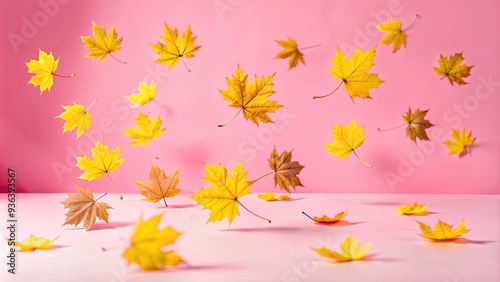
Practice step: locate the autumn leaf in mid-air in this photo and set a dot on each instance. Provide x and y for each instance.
(395, 33)
(103, 162)
(222, 198)
(44, 70)
(350, 249)
(291, 50)
(271, 197)
(83, 207)
(353, 73)
(442, 231)
(285, 171)
(147, 245)
(175, 47)
(250, 98)
(102, 44)
(417, 124)
(326, 219)
(161, 186)
(453, 68)
(345, 140)
(33, 243)
(146, 130)
(413, 209)
(76, 116)
(460, 143)
(146, 94)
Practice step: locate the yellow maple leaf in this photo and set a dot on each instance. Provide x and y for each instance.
(350, 250)
(353, 73)
(161, 186)
(453, 68)
(250, 98)
(345, 140)
(270, 197)
(412, 209)
(223, 197)
(76, 116)
(103, 162)
(460, 142)
(442, 231)
(417, 124)
(102, 44)
(285, 171)
(395, 33)
(33, 243)
(83, 207)
(146, 130)
(148, 242)
(175, 47)
(146, 94)
(326, 219)
(44, 70)
(291, 50)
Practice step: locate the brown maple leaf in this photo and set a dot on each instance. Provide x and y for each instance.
(285, 171)
(161, 186)
(417, 124)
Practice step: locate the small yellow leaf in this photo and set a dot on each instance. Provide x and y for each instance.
(161, 186)
(460, 142)
(395, 34)
(76, 116)
(146, 94)
(417, 124)
(146, 130)
(270, 197)
(103, 162)
(291, 50)
(411, 209)
(453, 68)
(326, 219)
(101, 44)
(442, 231)
(350, 250)
(43, 69)
(345, 140)
(33, 243)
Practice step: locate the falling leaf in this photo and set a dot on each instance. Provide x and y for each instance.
(145, 131)
(223, 197)
(285, 171)
(146, 94)
(270, 197)
(291, 50)
(44, 70)
(251, 98)
(350, 250)
(411, 209)
(353, 73)
(33, 243)
(395, 33)
(76, 116)
(83, 207)
(147, 245)
(326, 219)
(442, 231)
(345, 140)
(103, 162)
(460, 142)
(102, 44)
(161, 186)
(453, 69)
(417, 124)
(175, 47)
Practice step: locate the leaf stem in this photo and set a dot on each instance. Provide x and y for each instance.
(309, 47)
(184, 63)
(117, 59)
(308, 216)
(367, 164)
(116, 188)
(227, 122)
(165, 201)
(415, 21)
(91, 104)
(392, 128)
(64, 76)
(112, 248)
(100, 197)
(253, 181)
(253, 212)
(317, 97)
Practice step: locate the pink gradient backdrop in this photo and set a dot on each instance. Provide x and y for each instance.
(244, 34)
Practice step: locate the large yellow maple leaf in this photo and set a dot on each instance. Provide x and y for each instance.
(442, 231)
(146, 130)
(460, 142)
(291, 50)
(417, 124)
(250, 98)
(33, 243)
(44, 70)
(161, 186)
(453, 68)
(353, 73)
(146, 94)
(345, 140)
(102, 44)
(223, 197)
(76, 116)
(103, 162)
(175, 47)
(147, 245)
(83, 207)
(350, 250)
(285, 170)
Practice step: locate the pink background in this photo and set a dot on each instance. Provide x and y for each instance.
(243, 32)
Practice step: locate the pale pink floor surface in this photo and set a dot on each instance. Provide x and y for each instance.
(253, 250)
